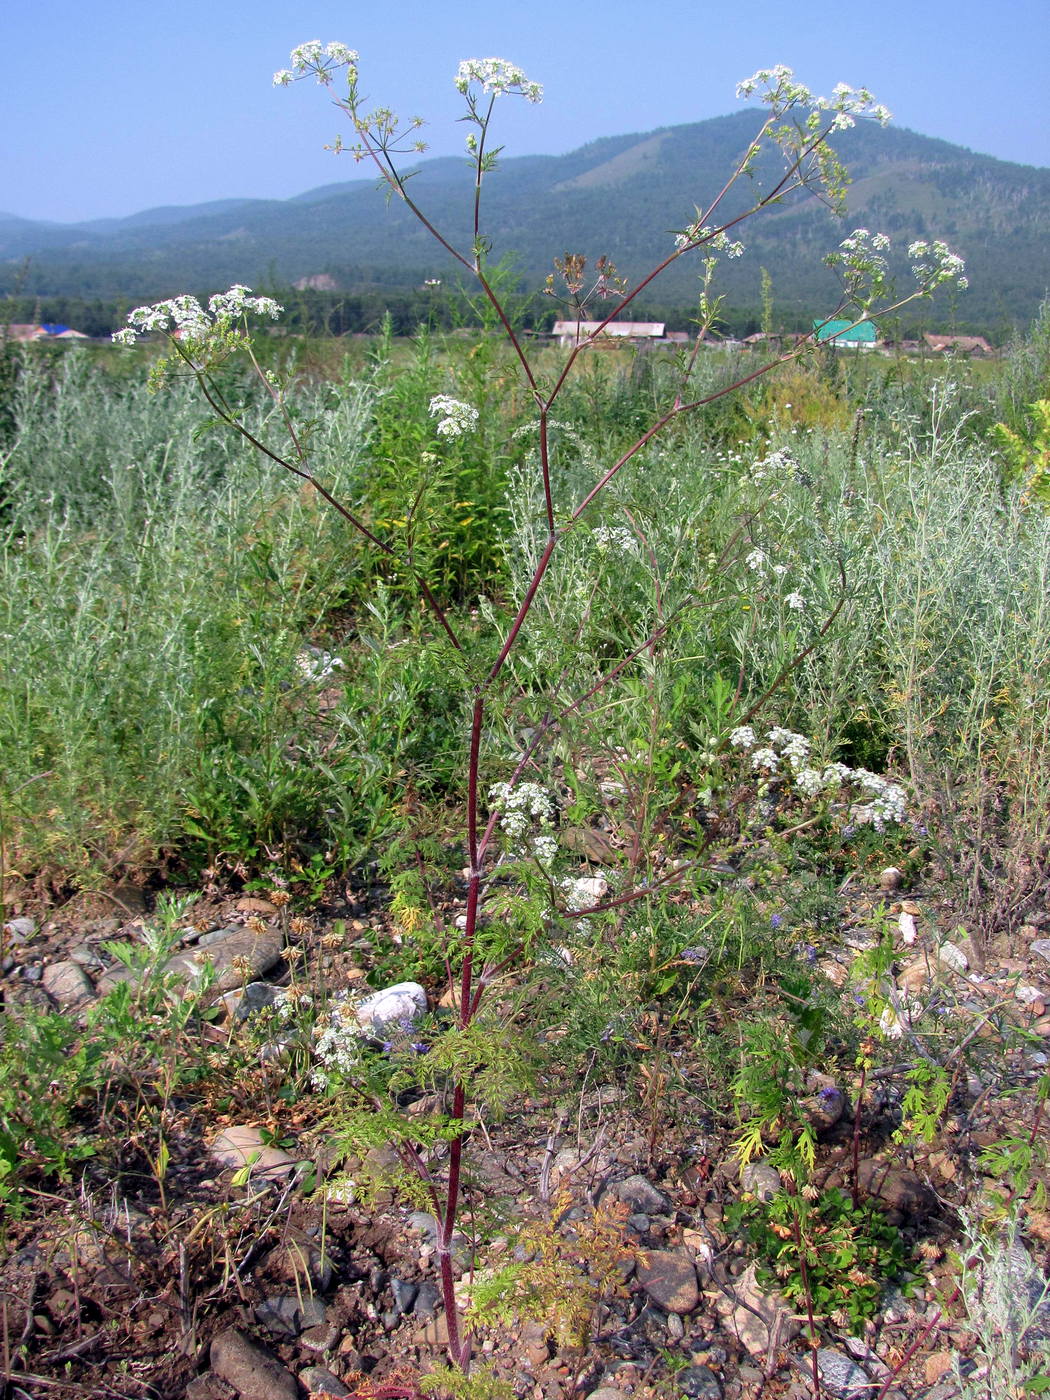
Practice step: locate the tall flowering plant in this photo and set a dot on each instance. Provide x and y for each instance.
(513, 820)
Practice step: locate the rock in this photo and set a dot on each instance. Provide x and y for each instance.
(253, 1372)
(427, 1301)
(399, 1006)
(209, 1387)
(67, 983)
(404, 1294)
(251, 904)
(607, 1392)
(669, 1278)
(762, 1180)
(896, 1187)
(915, 977)
(843, 1377)
(937, 1366)
(243, 1146)
(891, 879)
(641, 1195)
(19, 930)
(953, 956)
(288, 1314)
(318, 1380)
(699, 1383)
(827, 1103)
(906, 924)
(533, 1341)
(1040, 946)
(322, 1337)
(237, 955)
(756, 1317)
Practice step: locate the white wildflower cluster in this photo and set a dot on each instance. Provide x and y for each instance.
(934, 263)
(862, 254)
(777, 465)
(317, 58)
(777, 88)
(185, 319)
(756, 561)
(456, 418)
(883, 801)
(615, 539)
(787, 755)
(526, 816)
(697, 235)
(795, 601)
(497, 76)
(339, 1047)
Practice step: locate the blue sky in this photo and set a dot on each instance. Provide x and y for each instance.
(113, 106)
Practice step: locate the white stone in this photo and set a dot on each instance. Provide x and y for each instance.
(400, 1005)
(953, 956)
(909, 932)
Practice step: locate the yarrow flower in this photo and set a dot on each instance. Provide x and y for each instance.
(498, 77)
(456, 417)
(183, 318)
(743, 737)
(719, 241)
(615, 538)
(522, 808)
(320, 59)
(795, 601)
(935, 263)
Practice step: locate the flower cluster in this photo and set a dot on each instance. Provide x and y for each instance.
(615, 539)
(696, 235)
(523, 808)
(339, 1048)
(777, 88)
(320, 59)
(185, 319)
(456, 418)
(496, 76)
(786, 756)
(935, 263)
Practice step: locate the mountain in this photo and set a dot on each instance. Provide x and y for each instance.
(621, 196)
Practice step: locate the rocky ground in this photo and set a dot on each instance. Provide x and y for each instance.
(250, 1267)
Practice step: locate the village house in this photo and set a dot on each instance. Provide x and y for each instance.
(957, 344)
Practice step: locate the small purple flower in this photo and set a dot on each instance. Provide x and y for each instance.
(829, 1094)
(777, 920)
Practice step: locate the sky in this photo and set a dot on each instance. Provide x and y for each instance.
(110, 107)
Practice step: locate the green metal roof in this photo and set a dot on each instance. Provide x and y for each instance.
(845, 330)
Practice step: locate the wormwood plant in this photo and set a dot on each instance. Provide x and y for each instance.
(517, 891)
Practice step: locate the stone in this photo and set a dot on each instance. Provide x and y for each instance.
(953, 956)
(253, 1372)
(891, 879)
(236, 955)
(534, 1342)
(67, 983)
(251, 904)
(641, 1195)
(756, 1317)
(762, 1180)
(669, 1278)
(400, 1005)
(906, 924)
(19, 930)
(427, 1301)
(826, 1104)
(209, 1387)
(896, 1187)
(243, 1146)
(842, 1377)
(1042, 947)
(937, 1365)
(607, 1392)
(318, 1381)
(698, 1383)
